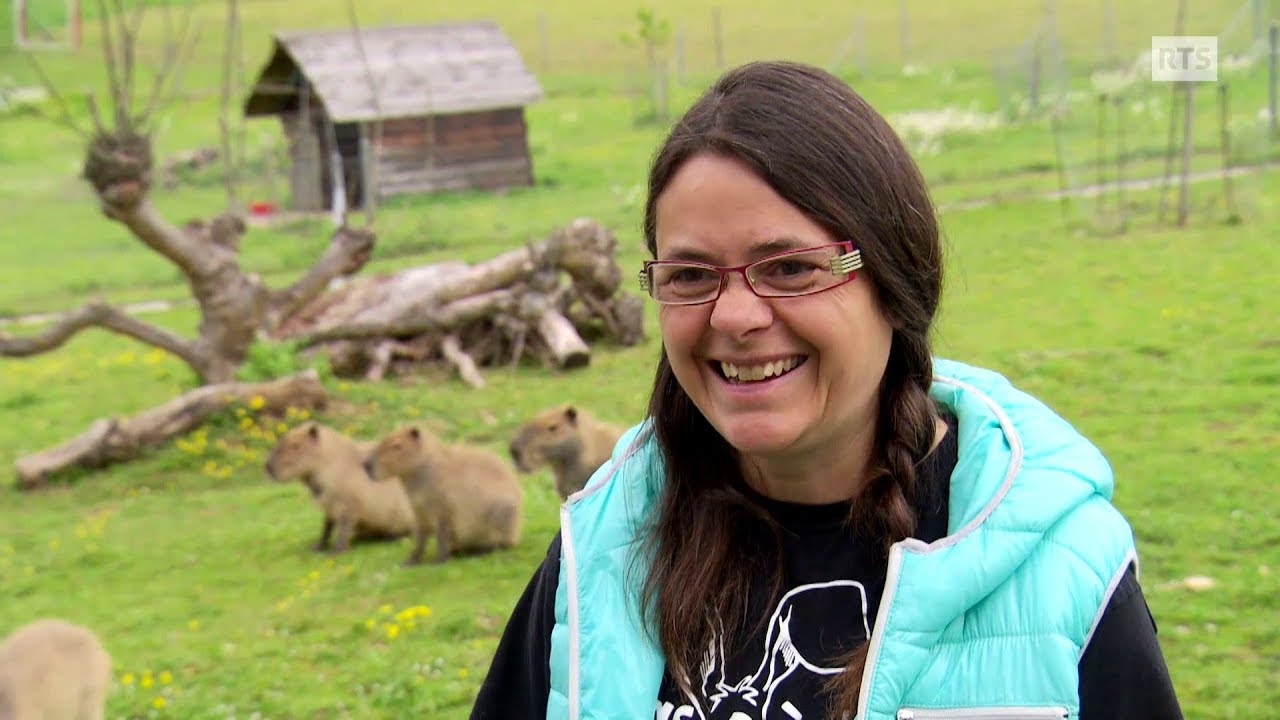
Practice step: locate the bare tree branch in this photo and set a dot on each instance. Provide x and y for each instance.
(128, 48)
(106, 317)
(177, 53)
(92, 103)
(348, 251)
(66, 118)
(467, 370)
(146, 224)
(109, 54)
(230, 170)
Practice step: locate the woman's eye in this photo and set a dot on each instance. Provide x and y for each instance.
(787, 269)
(793, 267)
(691, 275)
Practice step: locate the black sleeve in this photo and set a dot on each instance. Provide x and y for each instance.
(519, 678)
(1123, 675)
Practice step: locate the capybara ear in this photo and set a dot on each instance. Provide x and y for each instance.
(415, 433)
(572, 413)
(313, 431)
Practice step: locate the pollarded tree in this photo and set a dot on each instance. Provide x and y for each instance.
(235, 307)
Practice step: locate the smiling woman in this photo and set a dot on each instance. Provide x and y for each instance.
(819, 519)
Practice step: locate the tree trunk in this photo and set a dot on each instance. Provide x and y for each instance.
(114, 440)
(235, 307)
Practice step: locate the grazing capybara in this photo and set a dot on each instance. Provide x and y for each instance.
(573, 442)
(470, 495)
(331, 465)
(51, 669)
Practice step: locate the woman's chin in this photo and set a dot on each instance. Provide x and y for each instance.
(756, 435)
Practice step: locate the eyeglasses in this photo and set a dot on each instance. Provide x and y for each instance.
(787, 274)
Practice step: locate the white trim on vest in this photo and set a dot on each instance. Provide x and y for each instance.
(571, 585)
(917, 546)
(571, 567)
(1130, 557)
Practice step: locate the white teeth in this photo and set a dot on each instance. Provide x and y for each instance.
(755, 373)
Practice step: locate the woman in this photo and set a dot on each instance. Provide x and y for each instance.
(820, 520)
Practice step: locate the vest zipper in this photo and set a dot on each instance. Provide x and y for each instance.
(991, 713)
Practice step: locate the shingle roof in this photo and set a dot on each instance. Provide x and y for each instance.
(418, 70)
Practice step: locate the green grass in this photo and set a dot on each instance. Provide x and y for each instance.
(1159, 343)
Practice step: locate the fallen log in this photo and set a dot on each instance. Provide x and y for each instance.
(114, 440)
(538, 300)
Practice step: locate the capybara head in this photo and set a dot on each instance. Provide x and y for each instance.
(550, 435)
(296, 454)
(398, 453)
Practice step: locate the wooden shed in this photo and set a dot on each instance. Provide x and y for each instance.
(447, 114)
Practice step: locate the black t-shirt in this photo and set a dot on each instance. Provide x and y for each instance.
(828, 572)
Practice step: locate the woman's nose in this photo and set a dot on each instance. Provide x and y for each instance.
(739, 310)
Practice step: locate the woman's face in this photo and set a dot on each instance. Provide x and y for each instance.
(835, 343)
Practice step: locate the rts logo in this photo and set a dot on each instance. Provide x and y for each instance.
(1184, 58)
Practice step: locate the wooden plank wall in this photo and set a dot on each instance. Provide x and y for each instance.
(306, 177)
(482, 151)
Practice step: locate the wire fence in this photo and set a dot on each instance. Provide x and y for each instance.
(1074, 76)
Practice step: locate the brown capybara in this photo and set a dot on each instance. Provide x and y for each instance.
(573, 442)
(51, 669)
(331, 465)
(470, 495)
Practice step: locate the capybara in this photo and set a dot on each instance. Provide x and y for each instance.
(331, 465)
(470, 495)
(51, 669)
(573, 442)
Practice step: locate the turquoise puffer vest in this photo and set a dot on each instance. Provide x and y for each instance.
(987, 622)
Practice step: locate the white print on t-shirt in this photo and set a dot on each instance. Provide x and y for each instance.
(764, 694)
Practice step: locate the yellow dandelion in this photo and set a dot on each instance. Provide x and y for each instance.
(462, 673)
(126, 679)
(193, 624)
(246, 423)
(165, 677)
(257, 402)
(146, 681)
(281, 428)
(159, 703)
(393, 631)
(371, 623)
(304, 415)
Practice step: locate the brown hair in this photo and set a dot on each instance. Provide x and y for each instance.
(822, 148)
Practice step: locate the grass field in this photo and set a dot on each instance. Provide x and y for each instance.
(1161, 344)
